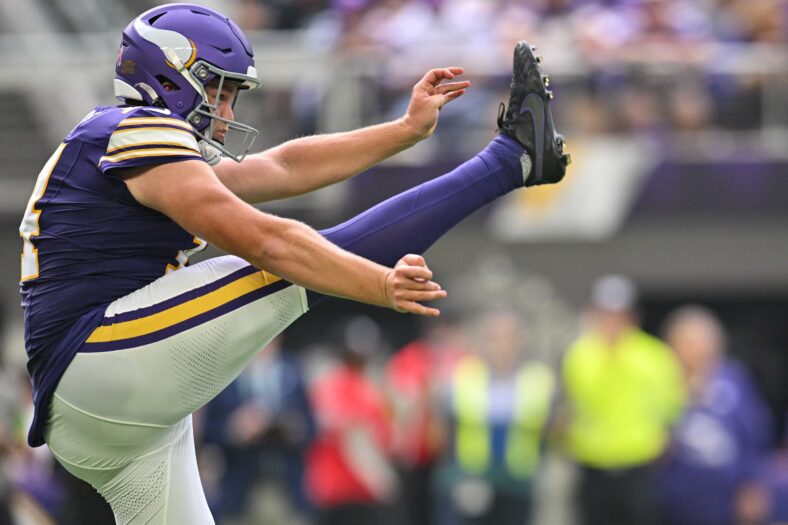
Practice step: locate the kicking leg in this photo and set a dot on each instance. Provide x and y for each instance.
(413, 220)
(528, 151)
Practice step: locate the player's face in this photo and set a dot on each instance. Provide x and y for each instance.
(225, 105)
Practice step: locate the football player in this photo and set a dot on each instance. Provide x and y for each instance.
(122, 349)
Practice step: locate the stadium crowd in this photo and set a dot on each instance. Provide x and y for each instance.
(663, 69)
(607, 24)
(622, 58)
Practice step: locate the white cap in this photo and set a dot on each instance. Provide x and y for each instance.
(615, 293)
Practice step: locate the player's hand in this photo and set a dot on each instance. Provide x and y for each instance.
(429, 96)
(409, 284)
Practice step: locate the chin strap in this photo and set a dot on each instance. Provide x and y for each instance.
(210, 154)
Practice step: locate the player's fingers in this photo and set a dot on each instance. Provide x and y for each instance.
(420, 284)
(444, 73)
(444, 89)
(416, 273)
(413, 259)
(451, 96)
(421, 296)
(433, 77)
(418, 309)
(404, 298)
(414, 303)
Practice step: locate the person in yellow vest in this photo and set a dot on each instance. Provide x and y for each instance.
(499, 406)
(624, 390)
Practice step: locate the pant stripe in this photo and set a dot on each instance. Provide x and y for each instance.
(184, 296)
(159, 325)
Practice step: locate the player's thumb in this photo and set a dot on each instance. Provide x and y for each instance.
(413, 259)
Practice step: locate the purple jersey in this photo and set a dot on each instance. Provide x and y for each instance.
(87, 241)
(716, 445)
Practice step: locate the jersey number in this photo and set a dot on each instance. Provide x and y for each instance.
(29, 227)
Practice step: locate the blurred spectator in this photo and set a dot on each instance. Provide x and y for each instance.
(764, 498)
(277, 14)
(254, 14)
(261, 424)
(350, 476)
(751, 20)
(397, 24)
(723, 433)
(32, 490)
(690, 109)
(499, 404)
(414, 375)
(7, 444)
(624, 390)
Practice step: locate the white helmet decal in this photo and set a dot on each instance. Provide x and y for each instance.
(166, 39)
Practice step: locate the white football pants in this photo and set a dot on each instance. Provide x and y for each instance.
(121, 416)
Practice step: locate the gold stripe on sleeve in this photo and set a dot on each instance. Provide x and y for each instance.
(138, 121)
(152, 152)
(125, 138)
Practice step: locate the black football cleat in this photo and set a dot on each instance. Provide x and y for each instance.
(528, 120)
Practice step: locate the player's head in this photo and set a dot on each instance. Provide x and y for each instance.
(170, 55)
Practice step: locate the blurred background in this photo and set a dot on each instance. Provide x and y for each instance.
(585, 399)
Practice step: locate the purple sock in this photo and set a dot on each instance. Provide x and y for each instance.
(413, 220)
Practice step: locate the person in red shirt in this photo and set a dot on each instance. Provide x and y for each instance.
(414, 376)
(349, 475)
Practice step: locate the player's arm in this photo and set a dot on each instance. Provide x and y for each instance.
(309, 163)
(191, 195)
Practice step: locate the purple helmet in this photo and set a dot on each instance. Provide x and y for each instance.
(186, 46)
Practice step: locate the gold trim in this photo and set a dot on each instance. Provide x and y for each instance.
(154, 152)
(22, 278)
(134, 121)
(184, 311)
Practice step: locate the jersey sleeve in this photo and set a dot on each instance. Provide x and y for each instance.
(147, 137)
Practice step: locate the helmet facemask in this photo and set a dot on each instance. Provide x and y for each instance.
(195, 75)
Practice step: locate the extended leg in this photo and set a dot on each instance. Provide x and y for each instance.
(528, 151)
(413, 220)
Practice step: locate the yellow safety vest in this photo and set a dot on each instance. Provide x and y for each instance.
(533, 394)
(623, 399)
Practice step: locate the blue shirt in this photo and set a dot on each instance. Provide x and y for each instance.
(87, 241)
